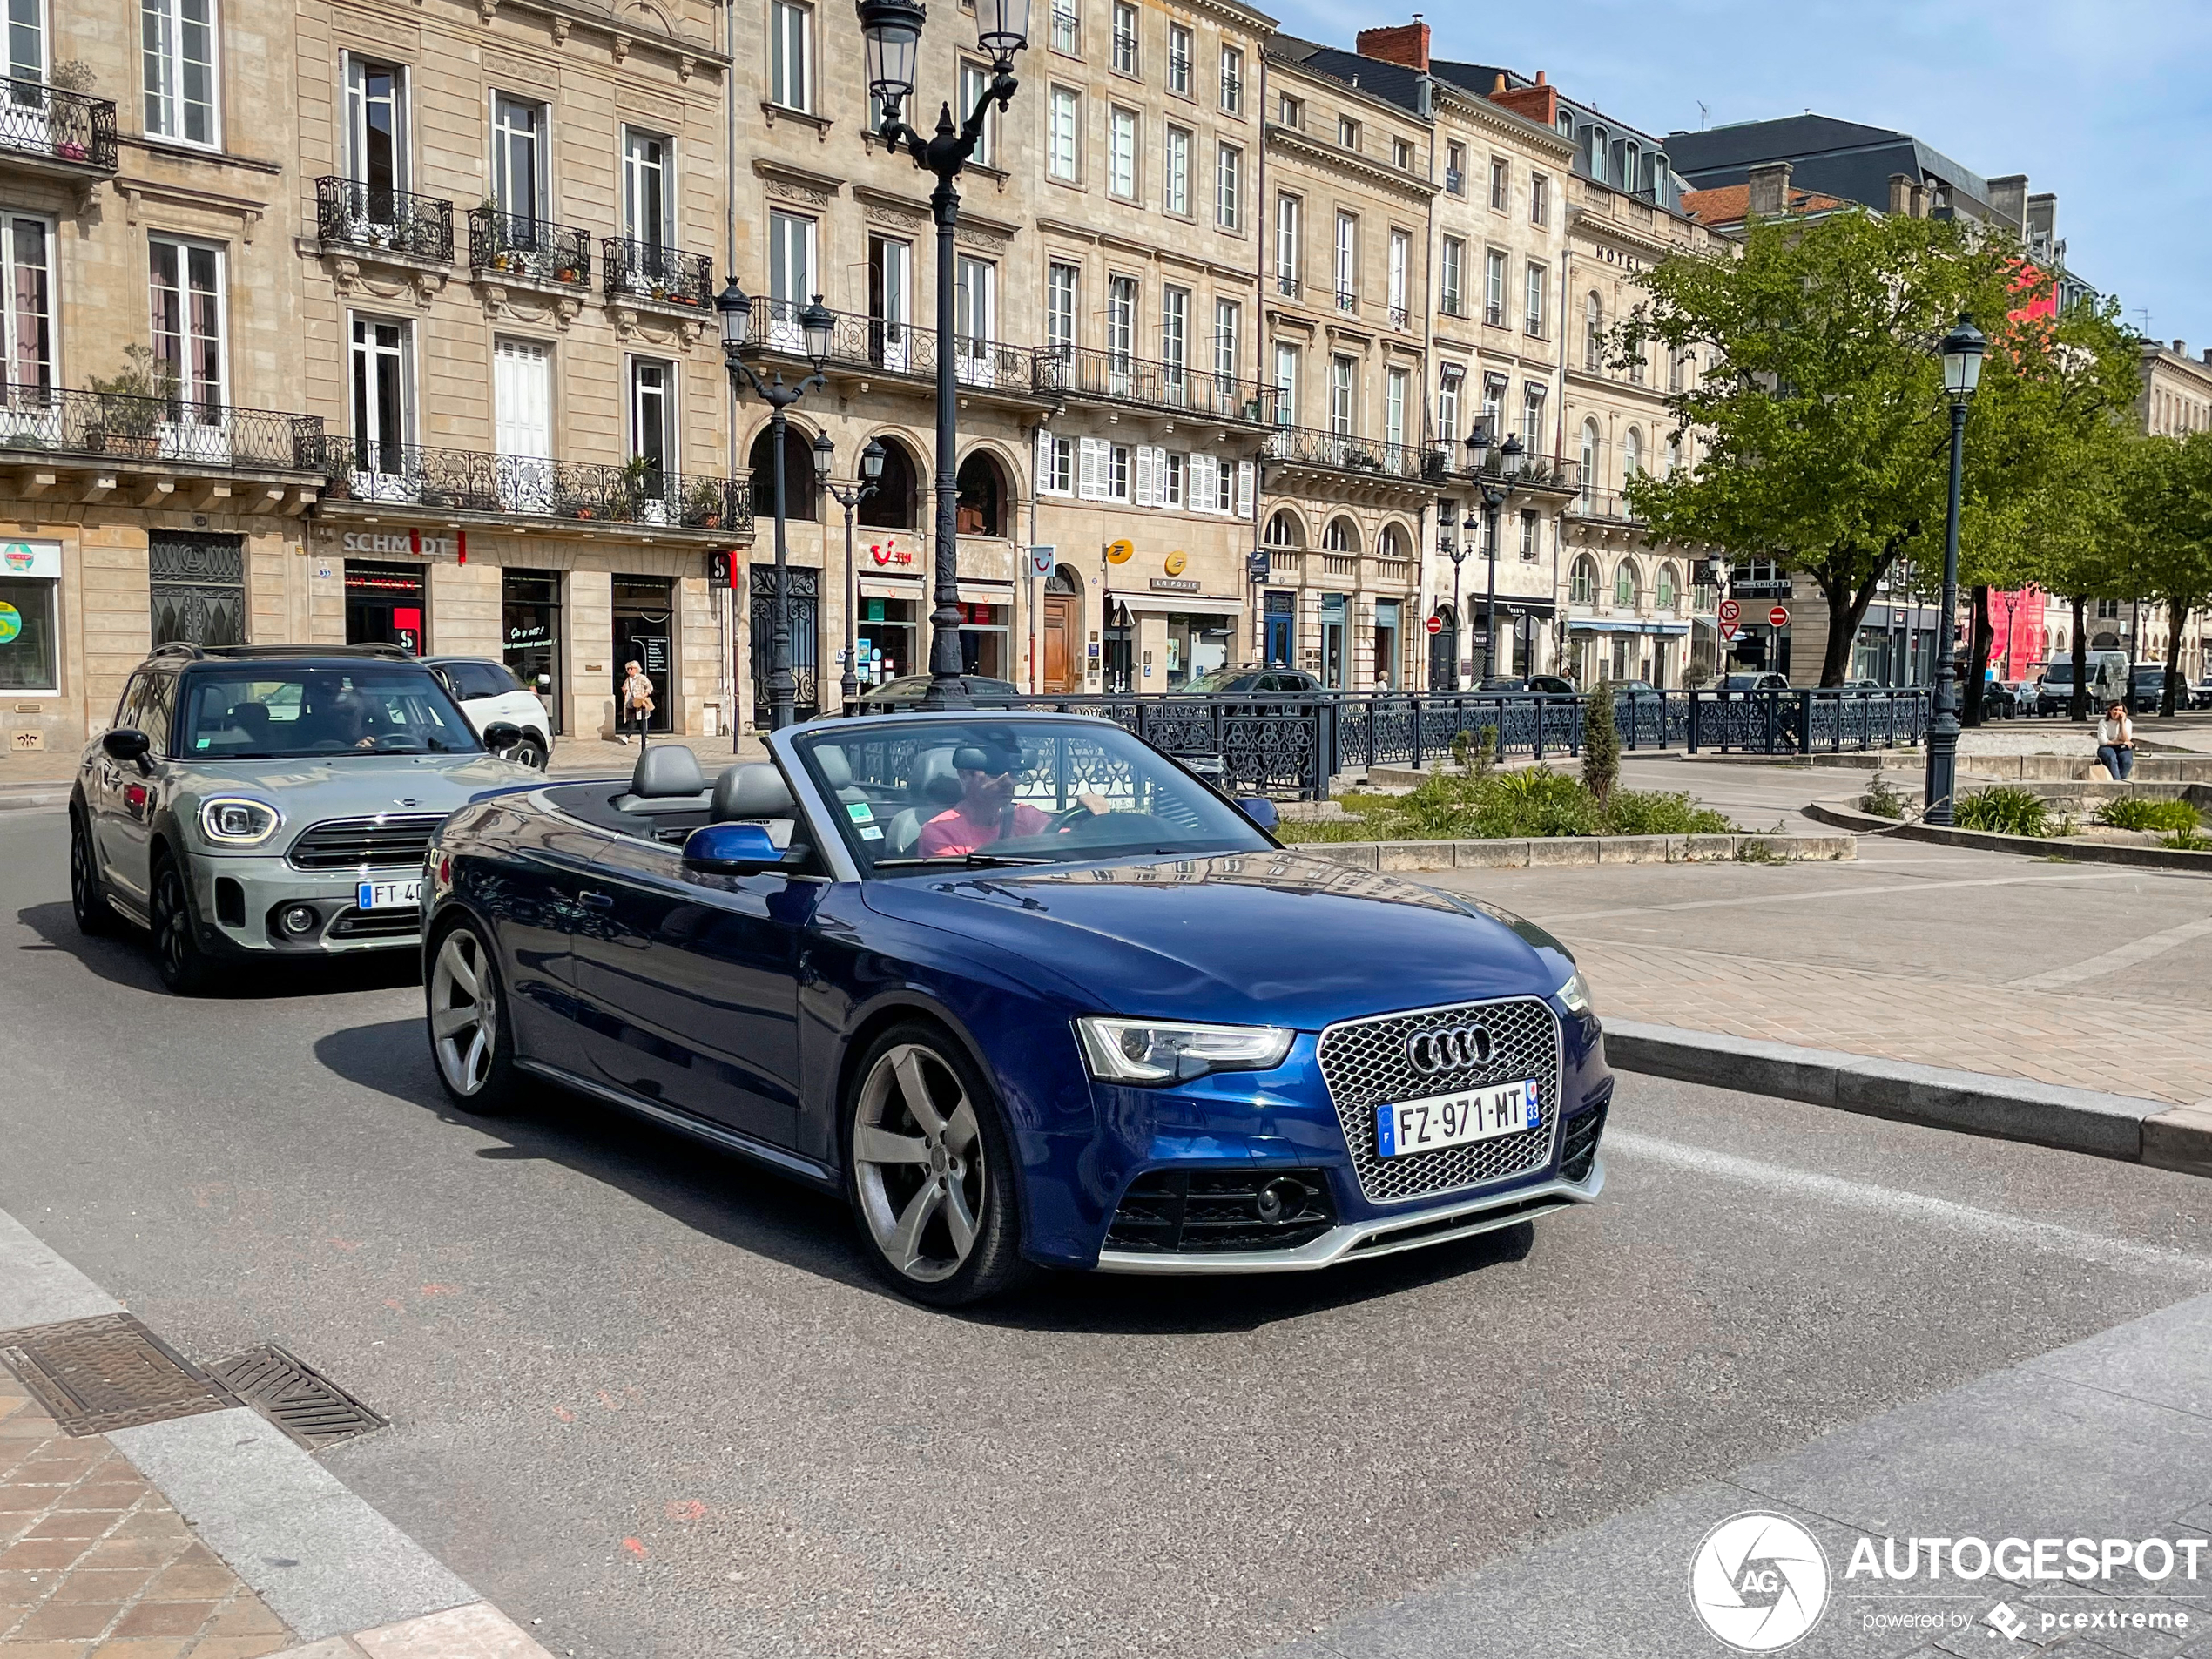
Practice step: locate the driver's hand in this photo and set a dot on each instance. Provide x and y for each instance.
(365, 743)
(1094, 803)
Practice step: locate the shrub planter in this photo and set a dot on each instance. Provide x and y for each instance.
(1590, 851)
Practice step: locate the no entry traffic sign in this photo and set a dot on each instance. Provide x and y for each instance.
(1731, 611)
(1435, 625)
(1779, 617)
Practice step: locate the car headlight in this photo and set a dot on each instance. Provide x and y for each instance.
(1577, 995)
(1155, 1051)
(235, 821)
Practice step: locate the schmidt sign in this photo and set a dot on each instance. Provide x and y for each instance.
(411, 541)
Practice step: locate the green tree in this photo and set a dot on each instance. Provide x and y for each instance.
(1601, 744)
(2165, 534)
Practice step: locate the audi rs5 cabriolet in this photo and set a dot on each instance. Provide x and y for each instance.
(1024, 991)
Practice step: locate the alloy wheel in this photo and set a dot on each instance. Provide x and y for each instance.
(173, 926)
(919, 1164)
(464, 1013)
(86, 901)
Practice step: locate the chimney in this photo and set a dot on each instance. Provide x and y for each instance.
(1539, 103)
(1769, 194)
(2008, 201)
(2180, 348)
(2043, 214)
(1900, 195)
(1406, 45)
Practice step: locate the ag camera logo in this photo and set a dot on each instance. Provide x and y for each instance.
(1759, 1582)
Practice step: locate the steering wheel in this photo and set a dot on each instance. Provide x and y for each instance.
(1068, 819)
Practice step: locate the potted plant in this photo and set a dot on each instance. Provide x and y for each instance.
(703, 509)
(131, 404)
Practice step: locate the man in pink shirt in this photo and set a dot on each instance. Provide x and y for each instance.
(987, 811)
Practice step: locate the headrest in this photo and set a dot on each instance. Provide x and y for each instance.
(987, 756)
(837, 771)
(754, 789)
(664, 770)
(933, 782)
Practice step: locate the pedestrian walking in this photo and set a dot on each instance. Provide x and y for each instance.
(636, 703)
(2116, 742)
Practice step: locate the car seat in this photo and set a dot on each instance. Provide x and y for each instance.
(666, 779)
(934, 787)
(753, 792)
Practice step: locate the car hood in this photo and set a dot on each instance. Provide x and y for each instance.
(358, 785)
(1277, 938)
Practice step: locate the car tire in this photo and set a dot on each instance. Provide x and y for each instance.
(468, 1019)
(185, 966)
(929, 1171)
(530, 752)
(96, 918)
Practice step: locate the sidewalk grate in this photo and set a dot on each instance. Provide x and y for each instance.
(314, 1411)
(108, 1373)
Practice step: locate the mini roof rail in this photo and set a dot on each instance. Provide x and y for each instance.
(177, 648)
(398, 653)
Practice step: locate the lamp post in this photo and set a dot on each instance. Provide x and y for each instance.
(849, 497)
(1494, 496)
(815, 324)
(1962, 352)
(1717, 570)
(891, 31)
(1455, 549)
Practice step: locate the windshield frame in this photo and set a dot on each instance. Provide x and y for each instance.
(422, 683)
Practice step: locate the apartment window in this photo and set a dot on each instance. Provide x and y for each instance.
(1534, 319)
(1287, 244)
(1228, 324)
(1286, 384)
(1121, 153)
(1674, 456)
(1056, 473)
(1170, 479)
(1291, 111)
(1060, 289)
(791, 275)
(1643, 347)
(177, 55)
(375, 127)
(1451, 268)
(1174, 337)
(1450, 381)
(26, 303)
(1347, 133)
(1347, 268)
(1067, 28)
(652, 415)
(518, 128)
(1401, 154)
(975, 311)
(1631, 167)
(187, 292)
(1397, 387)
(1494, 288)
(1493, 403)
(1228, 180)
(1232, 80)
(790, 78)
(1591, 442)
(1540, 199)
(1118, 478)
(1455, 168)
(1060, 157)
(1500, 185)
(1175, 189)
(646, 194)
(1120, 319)
(974, 81)
(26, 40)
(1593, 333)
(1674, 371)
(1398, 275)
(1631, 454)
(1596, 153)
(1532, 420)
(383, 410)
(1228, 480)
(1124, 38)
(1179, 55)
(1343, 380)
(2107, 610)
(1530, 534)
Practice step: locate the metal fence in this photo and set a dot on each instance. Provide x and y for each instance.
(40, 120)
(191, 436)
(365, 468)
(351, 214)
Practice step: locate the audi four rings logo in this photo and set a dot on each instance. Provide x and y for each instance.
(1454, 1050)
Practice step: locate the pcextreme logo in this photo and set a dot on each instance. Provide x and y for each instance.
(1759, 1582)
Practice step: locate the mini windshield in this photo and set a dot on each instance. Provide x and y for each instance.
(913, 795)
(270, 713)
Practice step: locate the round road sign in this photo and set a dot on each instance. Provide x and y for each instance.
(1779, 617)
(1435, 625)
(1731, 611)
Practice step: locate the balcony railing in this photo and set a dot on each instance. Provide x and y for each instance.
(1347, 301)
(1604, 503)
(518, 244)
(464, 480)
(172, 431)
(1532, 471)
(376, 220)
(888, 348)
(1400, 318)
(1071, 371)
(1286, 285)
(651, 271)
(1412, 463)
(44, 121)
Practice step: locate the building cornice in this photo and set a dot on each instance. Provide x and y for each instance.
(1329, 157)
(1481, 112)
(1250, 19)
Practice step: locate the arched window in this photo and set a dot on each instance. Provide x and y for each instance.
(1342, 537)
(1593, 333)
(1631, 167)
(896, 504)
(1670, 588)
(1624, 585)
(800, 498)
(1674, 455)
(1284, 530)
(1392, 543)
(1582, 582)
(1601, 150)
(1631, 454)
(1590, 442)
(983, 495)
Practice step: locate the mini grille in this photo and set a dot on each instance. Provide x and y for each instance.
(364, 843)
(1579, 1148)
(1215, 1210)
(376, 924)
(1365, 1064)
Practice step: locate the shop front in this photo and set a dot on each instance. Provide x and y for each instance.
(986, 631)
(644, 633)
(530, 618)
(893, 624)
(385, 604)
(1177, 636)
(30, 582)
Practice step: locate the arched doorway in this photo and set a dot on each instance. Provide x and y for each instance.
(1062, 623)
(983, 495)
(801, 498)
(896, 504)
(1444, 651)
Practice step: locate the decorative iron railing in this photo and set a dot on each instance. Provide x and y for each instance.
(466, 480)
(1073, 371)
(40, 120)
(1414, 463)
(652, 271)
(189, 436)
(1531, 471)
(376, 220)
(518, 244)
(890, 347)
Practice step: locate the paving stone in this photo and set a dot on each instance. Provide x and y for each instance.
(83, 1620)
(121, 1585)
(167, 1619)
(252, 1646)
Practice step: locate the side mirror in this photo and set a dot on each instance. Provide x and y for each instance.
(502, 735)
(1261, 810)
(126, 744)
(731, 849)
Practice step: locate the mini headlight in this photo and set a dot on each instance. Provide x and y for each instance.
(232, 821)
(1153, 1051)
(1576, 994)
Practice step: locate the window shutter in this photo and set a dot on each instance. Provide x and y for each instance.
(1146, 490)
(1043, 486)
(1090, 456)
(1202, 468)
(1244, 489)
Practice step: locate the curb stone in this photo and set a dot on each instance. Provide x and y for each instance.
(2125, 1127)
(2151, 858)
(1553, 851)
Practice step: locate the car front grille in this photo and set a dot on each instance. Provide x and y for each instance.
(1578, 1146)
(389, 840)
(1216, 1210)
(375, 924)
(1365, 1064)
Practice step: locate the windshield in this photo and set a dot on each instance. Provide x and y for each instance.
(268, 714)
(915, 795)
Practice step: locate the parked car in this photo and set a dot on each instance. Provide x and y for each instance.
(489, 693)
(2054, 691)
(1549, 684)
(1243, 681)
(2147, 691)
(265, 801)
(907, 691)
(2201, 693)
(1022, 988)
(1767, 681)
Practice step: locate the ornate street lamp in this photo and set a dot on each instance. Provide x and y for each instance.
(892, 30)
(849, 497)
(815, 326)
(1962, 352)
(1491, 461)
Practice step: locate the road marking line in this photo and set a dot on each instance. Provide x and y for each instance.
(2127, 955)
(1770, 899)
(1908, 1206)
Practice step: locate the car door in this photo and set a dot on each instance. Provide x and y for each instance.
(690, 984)
(139, 794)
(104, 780)
(533, 896)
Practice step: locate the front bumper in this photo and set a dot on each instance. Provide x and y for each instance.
(237, 900)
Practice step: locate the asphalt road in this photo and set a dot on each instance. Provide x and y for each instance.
(649, 1397)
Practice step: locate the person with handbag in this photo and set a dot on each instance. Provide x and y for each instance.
(636, 703)
(2116, 742)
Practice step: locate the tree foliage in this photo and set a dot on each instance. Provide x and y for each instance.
(2163, 535)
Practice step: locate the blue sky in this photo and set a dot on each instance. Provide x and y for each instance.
(2107, 103)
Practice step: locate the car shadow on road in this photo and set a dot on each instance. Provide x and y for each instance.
(125, 959)
(727, 1197)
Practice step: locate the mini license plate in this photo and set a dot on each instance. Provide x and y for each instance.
(1437, 1121)
(390, 895)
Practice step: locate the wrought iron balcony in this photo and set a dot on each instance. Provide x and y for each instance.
(376, 220)
(1400, 318)
(1112, 377)
(158, 432)
(651, 271)
(51, 124)
(518, 244)
(1404, 463)
(888, 348)
(465, 481)
(1604, 503)
(1532, 471)
(1286, 285)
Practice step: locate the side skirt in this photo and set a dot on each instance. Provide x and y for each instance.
(774, 1158)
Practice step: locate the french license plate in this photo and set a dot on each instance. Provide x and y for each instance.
(1437, 1121)
(390, 895)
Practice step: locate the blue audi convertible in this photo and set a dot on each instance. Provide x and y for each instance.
(1025, 991)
